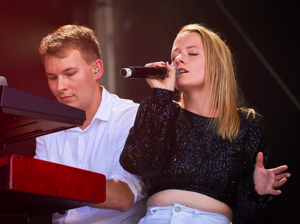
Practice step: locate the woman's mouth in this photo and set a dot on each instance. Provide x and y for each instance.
(182, 71)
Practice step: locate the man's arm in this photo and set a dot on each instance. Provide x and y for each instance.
(118, 196)
(122, 188)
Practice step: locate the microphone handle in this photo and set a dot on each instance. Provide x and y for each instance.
(138, 72)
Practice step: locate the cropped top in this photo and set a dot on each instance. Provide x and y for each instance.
(178, 149)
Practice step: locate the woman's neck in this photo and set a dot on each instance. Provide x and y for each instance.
(198, 104)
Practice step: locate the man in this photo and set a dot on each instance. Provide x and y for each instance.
(72, 59)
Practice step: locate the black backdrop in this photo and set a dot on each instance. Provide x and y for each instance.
(144, 31)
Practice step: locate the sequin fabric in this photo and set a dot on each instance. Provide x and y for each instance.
(178, 149)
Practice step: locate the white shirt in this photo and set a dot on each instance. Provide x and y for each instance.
(97, 148)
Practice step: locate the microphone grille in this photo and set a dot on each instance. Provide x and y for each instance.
(126, 72)
(176, 71)
(3, 81)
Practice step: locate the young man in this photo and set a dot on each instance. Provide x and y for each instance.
(72, 59)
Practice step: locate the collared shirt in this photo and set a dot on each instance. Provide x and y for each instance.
(97, 148)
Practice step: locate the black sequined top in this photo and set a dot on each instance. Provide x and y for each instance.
(178, 149)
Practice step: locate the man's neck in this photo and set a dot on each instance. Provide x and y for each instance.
(91, 111)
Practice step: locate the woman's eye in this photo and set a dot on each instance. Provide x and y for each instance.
(193, 54)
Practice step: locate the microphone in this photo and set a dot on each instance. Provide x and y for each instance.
(141, 72)
(3, 81)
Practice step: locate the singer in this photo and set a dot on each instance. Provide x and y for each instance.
(205, 154)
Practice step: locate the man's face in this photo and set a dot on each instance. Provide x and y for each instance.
(72, 81)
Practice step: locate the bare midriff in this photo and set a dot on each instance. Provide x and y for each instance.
(190, 199)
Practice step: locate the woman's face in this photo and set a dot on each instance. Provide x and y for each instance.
(189, 56)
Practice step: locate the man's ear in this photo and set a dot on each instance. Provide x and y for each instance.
(98, 69)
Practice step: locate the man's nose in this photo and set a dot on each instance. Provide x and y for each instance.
(62, 84)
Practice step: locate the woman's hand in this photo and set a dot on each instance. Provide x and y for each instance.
(265, 180)
(166, 83)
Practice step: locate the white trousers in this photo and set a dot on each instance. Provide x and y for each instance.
(180, 214)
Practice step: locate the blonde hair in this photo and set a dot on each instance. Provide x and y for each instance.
(220, 82)
(71, 37)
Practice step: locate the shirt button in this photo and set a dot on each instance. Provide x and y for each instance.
(177, 209)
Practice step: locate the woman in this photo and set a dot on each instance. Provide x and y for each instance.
(202, 154)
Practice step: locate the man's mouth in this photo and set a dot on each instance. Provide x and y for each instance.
(65, 98)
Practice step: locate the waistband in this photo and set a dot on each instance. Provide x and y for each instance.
(177, 208)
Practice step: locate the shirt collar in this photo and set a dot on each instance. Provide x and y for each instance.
(104, 110)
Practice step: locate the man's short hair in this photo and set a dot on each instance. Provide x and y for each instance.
(70, 37)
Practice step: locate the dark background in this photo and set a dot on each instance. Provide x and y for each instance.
(144, 31)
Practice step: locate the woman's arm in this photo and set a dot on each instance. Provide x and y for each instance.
(151, 134)
(253, 207)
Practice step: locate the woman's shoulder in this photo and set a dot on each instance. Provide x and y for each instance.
(249, 113)
(251, 116)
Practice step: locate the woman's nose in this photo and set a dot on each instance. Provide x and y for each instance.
(178, 59)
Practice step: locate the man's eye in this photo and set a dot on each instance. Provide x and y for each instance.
(70, 74)
(51, 78)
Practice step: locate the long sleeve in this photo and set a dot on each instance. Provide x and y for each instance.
(252, 207)
(151, 134)
(40, 152)
(126, 121)
(178, 149)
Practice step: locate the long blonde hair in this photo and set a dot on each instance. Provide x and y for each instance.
(220, 82)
